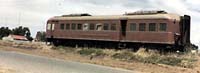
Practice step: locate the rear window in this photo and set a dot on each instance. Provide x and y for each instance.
(49, 26)
(53, 27)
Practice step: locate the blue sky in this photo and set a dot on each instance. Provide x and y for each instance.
(35, 13)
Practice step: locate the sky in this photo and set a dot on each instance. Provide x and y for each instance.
(35, 13)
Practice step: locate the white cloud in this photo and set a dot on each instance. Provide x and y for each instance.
(193, 2)
(35, 13)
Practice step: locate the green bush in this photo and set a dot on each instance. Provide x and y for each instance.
(187, 63)
(92, 51)
(124, 56)
(181, 60)
(86, 51)
(64, 49)
(99, 53)
(54, 48)
(170, 61)
(151, 59)
(156, 59)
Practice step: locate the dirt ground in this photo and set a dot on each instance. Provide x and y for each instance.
(6, 70)
(44, 50)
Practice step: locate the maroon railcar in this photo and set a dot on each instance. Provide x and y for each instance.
(138, 29)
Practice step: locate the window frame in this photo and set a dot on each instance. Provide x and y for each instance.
(152, 28)
(73, 26)
(107, 28)
(52, 26)
(99, 27)
(67, 28)
(79, 25)
(131, 29)
(161, 28)
(92, 25)
(62, 26)
(113, 27)
(140, 27)
(49, 26)
(85, 26)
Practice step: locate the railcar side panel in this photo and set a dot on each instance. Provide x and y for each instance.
(104, 35)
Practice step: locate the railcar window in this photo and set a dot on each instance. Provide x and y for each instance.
(85, 26)
(152, 26)
(113, 27)
(163, 26)
(99, 27)
(48, 26)
(62, 26)
(106, 26)
(92, 26)
(73, 26)
(132, 26)
(67, 27)
(53, 26)
(79, 27)
(142, 27)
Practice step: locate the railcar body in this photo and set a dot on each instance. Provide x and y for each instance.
(139, 29)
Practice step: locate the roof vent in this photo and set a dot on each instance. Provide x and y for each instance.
(76, 15)
(147, 12)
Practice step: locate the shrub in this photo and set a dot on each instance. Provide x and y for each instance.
(99, 53)
(187, 63)
(156, 58)
(54, 48)
(64, 49)
(170, 61)
(86, 51)
(92, 51)
(150, 56)
(124, 55)
(151, 59)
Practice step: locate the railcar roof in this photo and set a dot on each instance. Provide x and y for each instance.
(118, 17)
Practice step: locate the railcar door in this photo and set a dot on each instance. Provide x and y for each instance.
(123, 24)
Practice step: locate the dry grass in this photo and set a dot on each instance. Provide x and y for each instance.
(134, 61)
(6, 70)
(154, 57)
(22, 45)
(142, 55)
